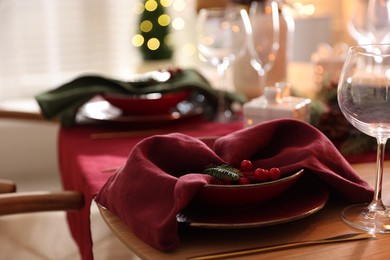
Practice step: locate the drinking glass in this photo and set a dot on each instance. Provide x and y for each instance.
(263, 36)
(364, 99)
(221, 38)
(370, 21)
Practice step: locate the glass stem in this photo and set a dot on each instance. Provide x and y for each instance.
(377, 204)
(263, 80)
(221, 68)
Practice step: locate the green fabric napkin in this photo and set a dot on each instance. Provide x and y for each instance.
(64, 101)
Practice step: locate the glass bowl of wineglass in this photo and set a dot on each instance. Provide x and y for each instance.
(221, 38)
(263, 36)
(370, 22)
(364, 99)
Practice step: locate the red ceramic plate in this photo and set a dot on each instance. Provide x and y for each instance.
(102, 111)
(244, 196)
(306, 197)
(149, 104)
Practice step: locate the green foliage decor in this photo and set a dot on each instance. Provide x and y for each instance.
(154, 31)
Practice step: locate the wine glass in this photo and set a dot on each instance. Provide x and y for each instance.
(263, 36)
(364, 99)
(370, 21)
(221, 38)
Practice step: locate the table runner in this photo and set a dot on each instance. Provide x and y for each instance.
(83, 160)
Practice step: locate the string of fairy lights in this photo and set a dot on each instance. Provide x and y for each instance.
(163, 20)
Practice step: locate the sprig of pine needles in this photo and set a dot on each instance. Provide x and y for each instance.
(223, 172)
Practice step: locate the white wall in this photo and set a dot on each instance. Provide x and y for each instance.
(28, 154)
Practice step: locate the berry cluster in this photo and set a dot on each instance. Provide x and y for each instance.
(245, 175)
(258, 175)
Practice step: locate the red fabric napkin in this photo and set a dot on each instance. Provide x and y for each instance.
(162, 173)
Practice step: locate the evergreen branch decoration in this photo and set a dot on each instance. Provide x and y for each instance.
(154, 32)
(358, 143)
(223, 172)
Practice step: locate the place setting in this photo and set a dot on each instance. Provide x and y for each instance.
(150, 99)
(178, 192)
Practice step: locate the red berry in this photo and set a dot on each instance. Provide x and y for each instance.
(246, 165)
(274, 173)
(261, 174)
(243, 181)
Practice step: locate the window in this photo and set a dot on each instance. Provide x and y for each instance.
(45, 43)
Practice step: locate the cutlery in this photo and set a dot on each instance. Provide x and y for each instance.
(110, 169)
(139, 133)
(248, 251)
(135, 133)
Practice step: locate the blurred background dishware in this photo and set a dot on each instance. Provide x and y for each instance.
(370, 21)
(263, 36)
(364, 99)
(147, 104)
(221, 38)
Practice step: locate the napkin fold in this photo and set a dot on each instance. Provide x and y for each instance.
(65, 100)
(163, 172)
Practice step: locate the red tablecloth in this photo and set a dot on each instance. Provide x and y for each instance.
(83, 160)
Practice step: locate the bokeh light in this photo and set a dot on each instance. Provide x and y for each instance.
(178, 23)
(166, 3)
(137, 40)
(201, 57)
(179, 5)
(146, 26)
(153, 44)
(151, 5)
(138, 8)
(164, 20)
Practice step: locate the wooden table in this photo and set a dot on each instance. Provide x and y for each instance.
(21, 108)
(327, 222)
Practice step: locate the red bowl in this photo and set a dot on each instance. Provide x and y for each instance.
(234, 197)
(148, 104)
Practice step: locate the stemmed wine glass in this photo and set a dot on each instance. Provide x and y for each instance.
(221, 38)
(263, 36)
(370, 22)
(364, 99)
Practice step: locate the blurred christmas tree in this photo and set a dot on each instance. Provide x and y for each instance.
(154, 31)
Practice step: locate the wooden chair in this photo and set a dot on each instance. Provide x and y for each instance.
(13, 202)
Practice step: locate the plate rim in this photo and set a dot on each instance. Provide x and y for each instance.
(123, 118)
(322, 193)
